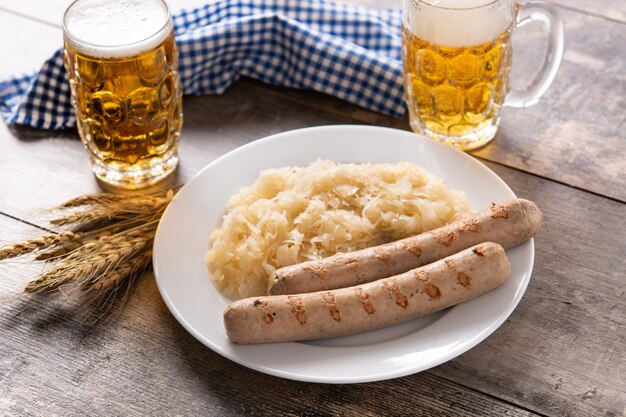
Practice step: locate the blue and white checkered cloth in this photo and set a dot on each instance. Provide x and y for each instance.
(346, 51)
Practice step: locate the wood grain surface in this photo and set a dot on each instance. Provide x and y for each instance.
(576, 133)
(607, 9)
(561, 353)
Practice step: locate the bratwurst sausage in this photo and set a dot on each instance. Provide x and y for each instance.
(507, 224)
(280, 318)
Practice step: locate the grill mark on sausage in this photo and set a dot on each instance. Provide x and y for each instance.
(329, 299)
(348, 259)
(297, 308)
(267, 317)
(479, 250)
(432, 290)
(470, 225)
(318, 270)
(392, 285)
(351, 263)
(413, 247)
(283, 276)
(365, 300)
(260, 303)
(421, 276)
(452, 263)
(464, 279)
(498, 211)
(445, 237)
(381, 254)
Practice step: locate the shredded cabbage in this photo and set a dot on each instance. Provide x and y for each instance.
(294, 214)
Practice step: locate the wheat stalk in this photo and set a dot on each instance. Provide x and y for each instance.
(104, 293)
(90, 216)
(58, 251)
(116, 210)
(115, 278)
(87, 262)
(94, 199)
(65, 248)
(30, 245)
(107, 243)
(109, 198)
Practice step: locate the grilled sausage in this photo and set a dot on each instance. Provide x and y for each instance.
(457, 278)
(507, 224)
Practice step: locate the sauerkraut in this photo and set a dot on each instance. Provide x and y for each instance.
(294, 214)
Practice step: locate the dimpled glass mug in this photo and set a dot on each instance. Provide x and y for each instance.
(122, 65)
(457, 59)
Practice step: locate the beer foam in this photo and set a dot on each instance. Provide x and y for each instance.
(458, 23)
(116, 28)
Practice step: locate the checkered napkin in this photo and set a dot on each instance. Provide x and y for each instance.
(349, 52)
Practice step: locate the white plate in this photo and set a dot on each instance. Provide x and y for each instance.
(183, 236)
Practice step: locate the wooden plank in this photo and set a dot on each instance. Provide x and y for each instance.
(567, 135)
(609, 9)
(562, 351)
(54, 163)
(141, 362)
(51, 11)
(19, 53)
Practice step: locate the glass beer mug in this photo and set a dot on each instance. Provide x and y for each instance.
(457, 59)
(122, 65)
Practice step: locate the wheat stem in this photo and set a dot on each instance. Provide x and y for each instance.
(85, 263)
(128, 268)
(17, 249)
(93, 215)
(119, 210)
(59, 251)
(94, 199)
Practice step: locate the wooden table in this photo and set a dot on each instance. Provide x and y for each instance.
(561, 353)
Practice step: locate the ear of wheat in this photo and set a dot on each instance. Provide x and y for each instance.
(105, 241)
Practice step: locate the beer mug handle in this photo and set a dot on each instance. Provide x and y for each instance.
(541, 12)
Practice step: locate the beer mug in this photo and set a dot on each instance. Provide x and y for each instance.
(457, 59)
(122, 65)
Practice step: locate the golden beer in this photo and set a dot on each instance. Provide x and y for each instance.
(456, 71)
(454, 92)
(126, 91)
